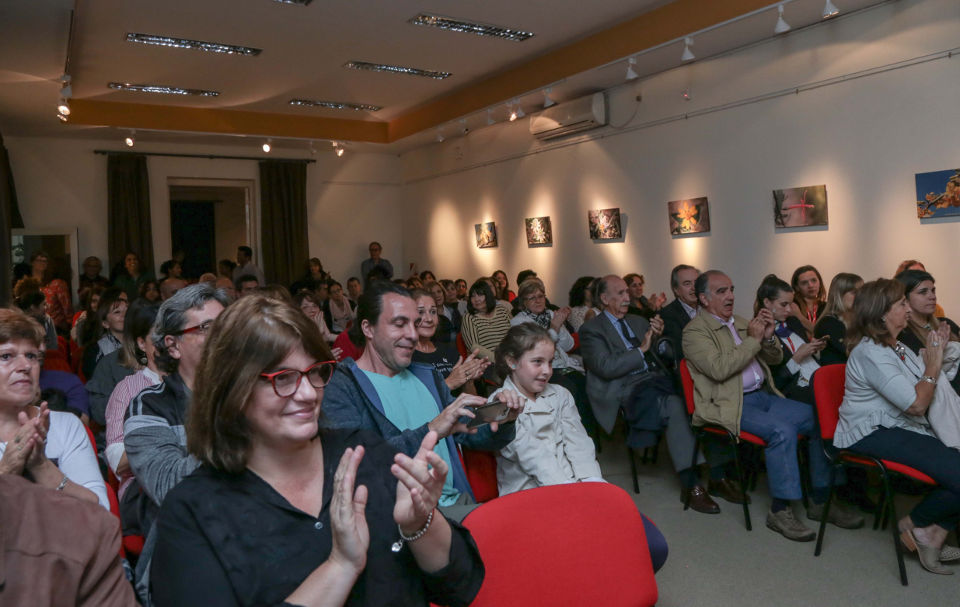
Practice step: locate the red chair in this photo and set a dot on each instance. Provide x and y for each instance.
(563, 545)
(828, 388)
(481, 467)
(462, 346)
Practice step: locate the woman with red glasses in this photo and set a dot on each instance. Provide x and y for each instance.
(284, 512)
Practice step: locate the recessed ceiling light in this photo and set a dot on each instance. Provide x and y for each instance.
(199, 45)
(469, 27)
(159, 88)
(396, 69)
(336, 105)
(300, 2)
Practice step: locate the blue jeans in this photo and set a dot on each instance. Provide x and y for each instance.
(778, 421)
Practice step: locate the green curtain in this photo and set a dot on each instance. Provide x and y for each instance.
(128, 209)
(283, 219)
(9, 218)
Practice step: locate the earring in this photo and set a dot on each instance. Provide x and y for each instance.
(513, 367)
(883, 319)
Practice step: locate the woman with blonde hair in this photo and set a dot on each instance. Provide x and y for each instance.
(832, 325)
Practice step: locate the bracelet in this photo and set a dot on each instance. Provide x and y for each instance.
(770, 340)
(63, 483)
(398, 545)
(929, 379)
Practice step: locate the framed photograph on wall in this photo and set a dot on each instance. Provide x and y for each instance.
(938, 193)
(691, 216)
(539, 231)
(800, 207)
(604, 224)
(486, 234)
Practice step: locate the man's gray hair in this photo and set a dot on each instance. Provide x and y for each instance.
(172, 318)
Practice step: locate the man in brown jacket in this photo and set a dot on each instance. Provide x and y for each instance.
(58, 550)
(728, 357)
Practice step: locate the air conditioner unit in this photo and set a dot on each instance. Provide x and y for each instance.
(570, 117)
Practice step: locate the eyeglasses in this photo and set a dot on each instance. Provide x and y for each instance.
(536, 297)
(200, 329)
(286, 382)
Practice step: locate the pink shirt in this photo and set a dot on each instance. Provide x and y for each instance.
(117, 406)
(752, 374)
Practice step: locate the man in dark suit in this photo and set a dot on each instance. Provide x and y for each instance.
(619, 376)
(678, 312)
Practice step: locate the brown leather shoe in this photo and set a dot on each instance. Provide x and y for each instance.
(729, 490)
(700, 501)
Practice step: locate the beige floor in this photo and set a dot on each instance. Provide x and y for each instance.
(714, 561)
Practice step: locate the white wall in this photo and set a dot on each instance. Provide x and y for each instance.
(864, 138)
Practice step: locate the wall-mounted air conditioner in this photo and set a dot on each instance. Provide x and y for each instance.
(570, 117)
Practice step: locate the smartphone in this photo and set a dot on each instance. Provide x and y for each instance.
(487, 413)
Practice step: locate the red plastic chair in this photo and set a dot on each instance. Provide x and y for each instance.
(828, 389)
(462, 346)
(481, 467)
(563, 545)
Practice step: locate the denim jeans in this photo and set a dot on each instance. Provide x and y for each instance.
(778, 421)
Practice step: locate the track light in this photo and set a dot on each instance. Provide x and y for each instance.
(490, 120)
(547, 101)
(62, 117)
(829, 10)
(687, 53)
(440, 137)
(519, 111)
(513, 115)
(338, 151)
(782, 27)
(267, 146)
(129, 140)
(631, 74)
(63, 107)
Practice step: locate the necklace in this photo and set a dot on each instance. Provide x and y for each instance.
(901, 351)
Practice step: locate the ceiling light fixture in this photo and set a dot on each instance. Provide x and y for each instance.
(396, 69)
(830, 10)
(337, 148)
(63, 107)
(61, 117)
(547, 101)
(519, 112)
(631, 73)
(266, 146)
(464, 129)
(687, 53)
(313, 150)
(782, 27)
(339, 152)
(299, 2)
(197, 45)
(490, 120)
(469, 27)
(129, 139)
(159, 88)
(336, 105)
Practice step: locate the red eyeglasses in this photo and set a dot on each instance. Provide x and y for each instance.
(286, 382)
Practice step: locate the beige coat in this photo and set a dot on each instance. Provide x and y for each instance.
(716, 364)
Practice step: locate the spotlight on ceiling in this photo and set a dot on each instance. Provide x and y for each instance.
(687, 53)
(129, 139)
(338, 151)
(830, 10)
(267, 146)
(547, 101)
(61, 117)
(782, 27)
(519, 110)
(313, 150)
(631, 74)
(63, 107)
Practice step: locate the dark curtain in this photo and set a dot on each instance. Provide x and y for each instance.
(9, 218)
(128, 209)
(283, 219)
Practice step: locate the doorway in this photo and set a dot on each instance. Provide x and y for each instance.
(208, 223)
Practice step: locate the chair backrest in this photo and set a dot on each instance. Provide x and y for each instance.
(462, 346)
(687, 380)
(563, 545)
(481, 467)
(828, 386)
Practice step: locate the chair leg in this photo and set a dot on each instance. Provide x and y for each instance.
(645, 456)
(826, 513)
(740, 478)
(891, 511)
(633, 470)
(696, 449)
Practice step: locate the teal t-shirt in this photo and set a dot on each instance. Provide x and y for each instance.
(408, 404)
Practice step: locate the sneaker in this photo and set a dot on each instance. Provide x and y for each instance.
(840, 515)
(785, 523)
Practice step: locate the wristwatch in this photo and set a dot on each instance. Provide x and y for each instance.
(929, 379)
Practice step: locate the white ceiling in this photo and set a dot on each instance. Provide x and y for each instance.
(304, 49)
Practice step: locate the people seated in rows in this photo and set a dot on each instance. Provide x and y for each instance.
(458, 372)
(170, 286)
(28, 297)
(809, 296)
(108, 371)
(137, 355)
(50, 448)
(921, 293)
(376, 262)
(551, 447)
(913, 264)
(171, 269)
(91, 277)
(55, 290)
(567, 370)
(614, 346)
(313, 275)
(402, 401)
(640, 305)
(485, 324)
(684, 306)
(502, 286)
(150, 291)
(225, 268)
(354, 289)
(462, 290)
(226, 285)
(308, 303)
(728, 358)
(447, 306)
(246, 267)
(889, 391)
(131, 276)
(89, 300)
(247, 284)
(154, 437)
(793, 375)
(832, 325)
(110, 314)
(339, 312)
(580, 301)
(254, 427)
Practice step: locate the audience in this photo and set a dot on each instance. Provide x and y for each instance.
(245, 267)
(889, 389)
(376, 262)
(684, 306)
(503, 286)
(169, 287)
(640, 305)
(809, 297)
(313, 275)
(832, 325)
(921, 293)
(247, 284)
(30, 299)
(458, 373)
(254, 428)
(90, 277)
(150, 291)
(728, 358)
(55, 290)
(111, 311)
(309, 304)
(580, 301)
(486, 323)
(339, 311)
(354, 289)
(108, 371)
(913, 264)
(131, 276)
